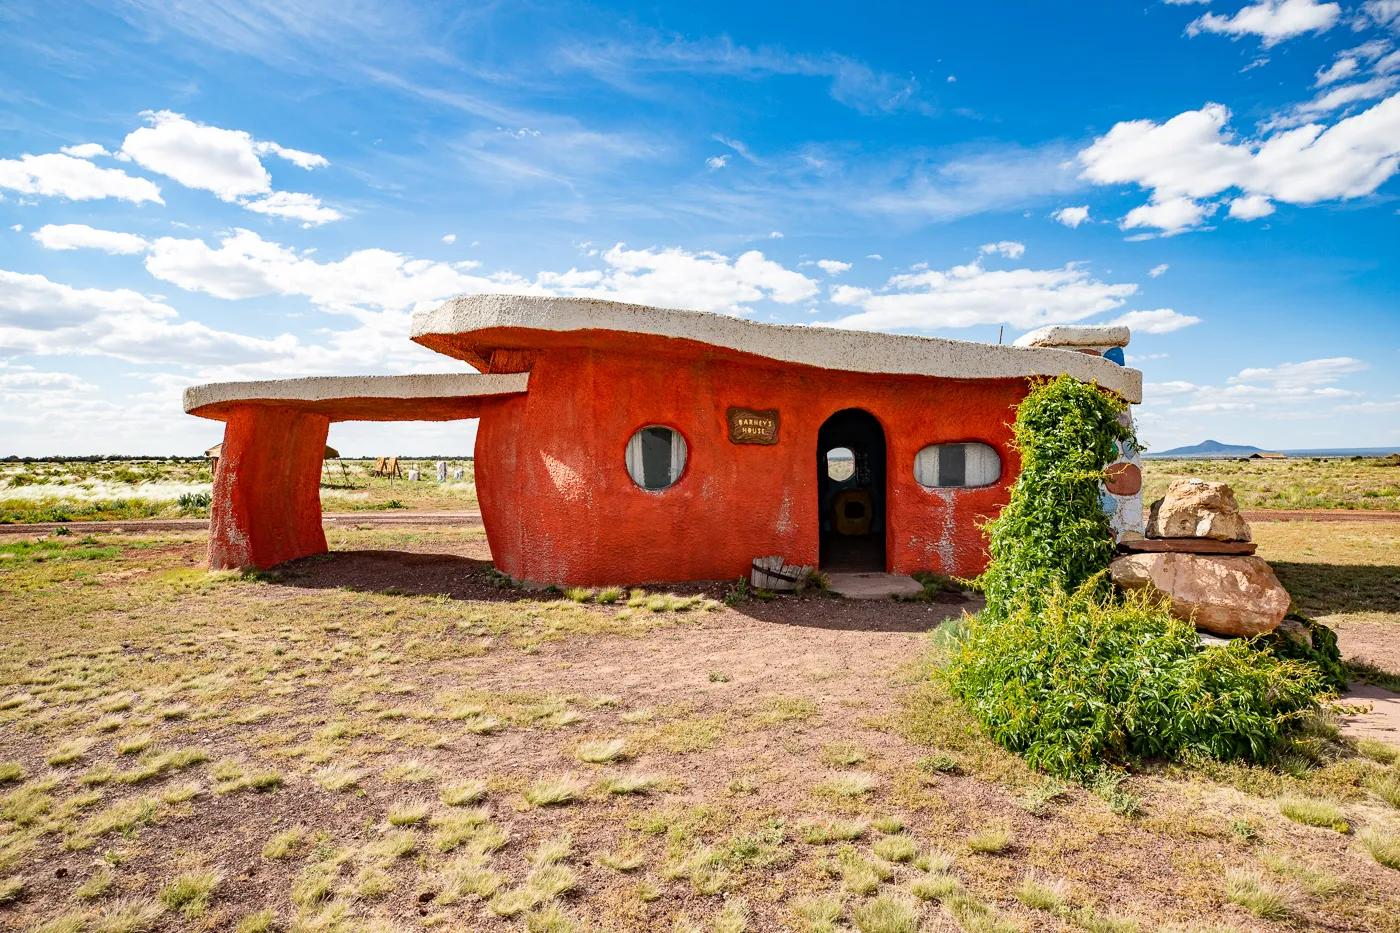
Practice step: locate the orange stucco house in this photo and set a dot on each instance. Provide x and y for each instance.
(625, 444)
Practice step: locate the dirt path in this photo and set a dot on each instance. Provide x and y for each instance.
(473, 517)
(365, 519)
(1321, 515)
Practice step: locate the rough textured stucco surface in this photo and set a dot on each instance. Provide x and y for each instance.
(1099, 336)
(266, 501)
(559, 506)
(474, 327)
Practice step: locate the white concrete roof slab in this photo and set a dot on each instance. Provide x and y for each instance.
(1076, 335)
(823, 347)
(403, 393)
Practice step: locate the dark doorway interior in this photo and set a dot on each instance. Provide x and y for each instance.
(851, 491)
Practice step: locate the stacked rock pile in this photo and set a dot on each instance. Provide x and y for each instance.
(1198, 552)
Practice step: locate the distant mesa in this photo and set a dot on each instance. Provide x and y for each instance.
(1211, 449)
(1207, 450)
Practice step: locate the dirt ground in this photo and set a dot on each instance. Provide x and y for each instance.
(165, 725)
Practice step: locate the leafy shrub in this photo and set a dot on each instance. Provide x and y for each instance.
(1068, 674)
(1053, 534)
(195, 502)
(1321, 650)
(1088, 679)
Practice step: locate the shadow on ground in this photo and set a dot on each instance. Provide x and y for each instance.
(398, 573)
(1321, 589)
(411, 573)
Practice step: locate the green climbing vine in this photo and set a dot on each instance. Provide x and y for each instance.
(1054, 533)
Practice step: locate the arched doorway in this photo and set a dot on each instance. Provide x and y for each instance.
(851, 491)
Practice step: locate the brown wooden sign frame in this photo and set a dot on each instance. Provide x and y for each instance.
(747, 426)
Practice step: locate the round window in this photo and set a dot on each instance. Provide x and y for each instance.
(943, 465)
(840, 463)
(656, 457)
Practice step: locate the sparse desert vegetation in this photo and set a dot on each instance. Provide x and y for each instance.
(122, 490)
(1297, 483)
(327, 767)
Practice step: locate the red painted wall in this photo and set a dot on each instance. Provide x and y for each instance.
(559, 506)
(266, 501)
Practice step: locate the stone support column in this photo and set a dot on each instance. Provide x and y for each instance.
(267, 504)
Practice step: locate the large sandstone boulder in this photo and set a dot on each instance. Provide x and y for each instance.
(1235, 596)
(1194, 508)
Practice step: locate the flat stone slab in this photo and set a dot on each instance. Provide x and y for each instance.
(1382, 722)
(1186, 546)
(873, 585)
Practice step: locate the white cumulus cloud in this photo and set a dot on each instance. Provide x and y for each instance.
(1008, 248)
(81, 236)
(679, 279)
(1339, 70)
(715, 163)
(306, 160)
(1272, 21)
(1158, 270)
(84, 150)
(1338, 98)
(1160, 321)
(44, 317)
(1308, 373)
(224, 162)
(450, 239)
(1194, 157)
(1383, 12)
(198, 156)
(1071, 216)
(1170, 215)
(1251, 207)
(967, 295)
(304, 207)
(63, 176)
(833, 267)
(246, 266)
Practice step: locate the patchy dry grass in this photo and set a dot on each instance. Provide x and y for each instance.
(287, 752)
(1297, 483)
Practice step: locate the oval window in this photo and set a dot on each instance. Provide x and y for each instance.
(840, 463)
(656, 457)
(943, 465)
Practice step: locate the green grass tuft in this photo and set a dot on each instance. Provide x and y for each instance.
(935, 887)
(1383, 847)
(128, 915)
(1041, 895)
(459, 795)
(555, 792)
(284, 843)
(886, 914)
(1312, 812)
(895, 848)
(1254, 894)
(1378, 751)
(190, 892)
(602, 751)
(993, 841)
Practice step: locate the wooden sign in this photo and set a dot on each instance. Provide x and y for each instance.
(753, 427)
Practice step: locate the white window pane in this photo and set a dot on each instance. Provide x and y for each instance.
(655, 457)
(949, 466)
(926, 466)
(983, 465)
(678, 454)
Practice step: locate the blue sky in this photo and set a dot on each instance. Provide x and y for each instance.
(197, 192)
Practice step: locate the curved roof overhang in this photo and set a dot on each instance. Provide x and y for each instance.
(498, 333)
(437, 397)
